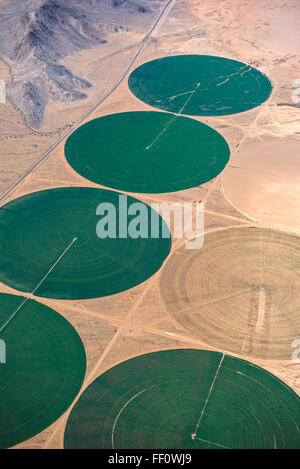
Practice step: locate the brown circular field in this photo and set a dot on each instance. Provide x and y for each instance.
(239, 293)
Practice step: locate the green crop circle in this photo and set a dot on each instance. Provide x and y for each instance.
(37, 228)
(42, 370)
(200, 85)
(181, 399)
(147, 152)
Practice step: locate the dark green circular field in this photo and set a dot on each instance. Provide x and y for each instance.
(200, 85)
(147, 152)
(180, 399)
(44, 368)
(36, 229)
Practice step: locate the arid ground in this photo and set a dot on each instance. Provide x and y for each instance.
(249, 293)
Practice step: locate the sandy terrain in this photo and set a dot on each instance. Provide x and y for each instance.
(262, 33)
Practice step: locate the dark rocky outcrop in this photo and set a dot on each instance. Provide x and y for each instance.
(37, 34)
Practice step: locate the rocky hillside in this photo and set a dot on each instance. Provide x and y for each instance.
(36, 35)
